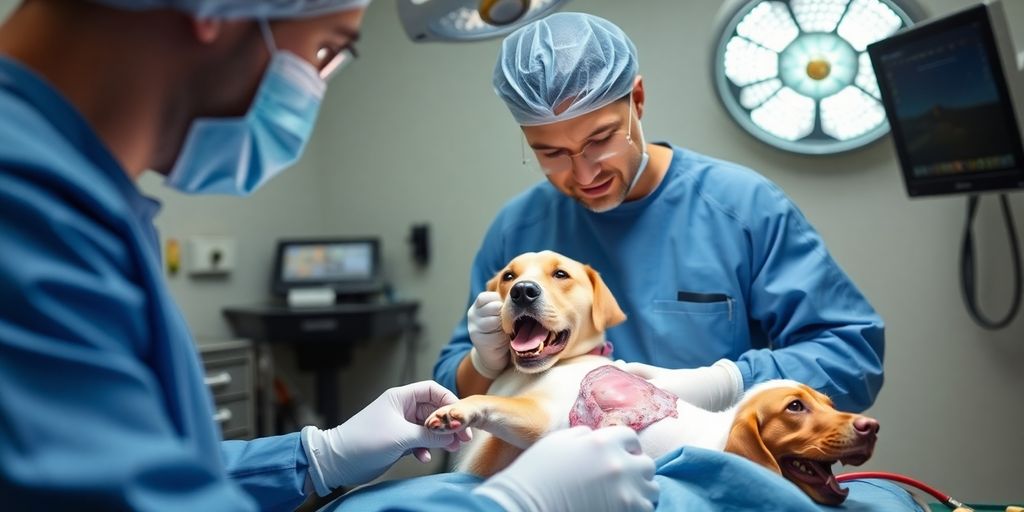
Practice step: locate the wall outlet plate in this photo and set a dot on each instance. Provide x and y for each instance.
(210, 255)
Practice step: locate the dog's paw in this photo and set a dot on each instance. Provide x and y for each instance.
(450, 418)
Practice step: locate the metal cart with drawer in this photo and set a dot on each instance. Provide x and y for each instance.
(230, 375)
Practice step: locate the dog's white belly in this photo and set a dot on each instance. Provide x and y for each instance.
(558, 388)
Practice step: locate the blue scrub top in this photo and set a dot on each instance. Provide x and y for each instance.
(102, 400)
(715, 263)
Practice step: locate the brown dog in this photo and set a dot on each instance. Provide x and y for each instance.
(555, 312)
(797, 432)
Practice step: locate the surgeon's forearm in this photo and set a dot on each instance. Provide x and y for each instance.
(469, 381)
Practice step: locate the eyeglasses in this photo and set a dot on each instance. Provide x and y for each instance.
(593, 152)
(330, 61)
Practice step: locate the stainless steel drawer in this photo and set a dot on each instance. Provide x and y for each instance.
(229, 377)
(234, 415)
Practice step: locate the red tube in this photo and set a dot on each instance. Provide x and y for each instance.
(941, 496)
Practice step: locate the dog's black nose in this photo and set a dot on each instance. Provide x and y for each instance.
(865, 426)
(524, 293)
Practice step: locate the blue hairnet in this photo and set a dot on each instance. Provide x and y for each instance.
(571, 62)
(242, 8)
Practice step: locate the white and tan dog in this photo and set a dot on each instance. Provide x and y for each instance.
(555, 312)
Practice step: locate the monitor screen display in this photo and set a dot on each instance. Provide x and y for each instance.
(946, 99)
(327, 262)
(337, 263)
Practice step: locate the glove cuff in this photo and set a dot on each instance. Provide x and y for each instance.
(314, 445)
(480, 366)
(735, 382)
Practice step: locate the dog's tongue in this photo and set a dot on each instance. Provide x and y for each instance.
(530, 335)
(833, 484)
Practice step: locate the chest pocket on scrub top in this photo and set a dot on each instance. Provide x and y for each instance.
(696, 328)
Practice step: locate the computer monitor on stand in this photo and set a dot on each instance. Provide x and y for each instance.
(321, 272)
(953, 92)
(954, 96)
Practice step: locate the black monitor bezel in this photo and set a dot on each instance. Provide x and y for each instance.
(371, 284)
(960, 183)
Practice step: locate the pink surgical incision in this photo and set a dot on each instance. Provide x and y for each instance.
(609, 396)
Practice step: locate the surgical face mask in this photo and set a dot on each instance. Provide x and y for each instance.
(645, 157)
(641, 167)
(235, 156)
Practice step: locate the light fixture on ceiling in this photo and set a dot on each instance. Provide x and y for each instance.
(796, 73)
(469, 20)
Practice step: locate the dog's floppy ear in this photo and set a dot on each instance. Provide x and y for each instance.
(492, 284)
(606, 310)
(745, 440)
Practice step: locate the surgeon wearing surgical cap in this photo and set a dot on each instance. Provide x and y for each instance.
(102, 399)
(724, 281)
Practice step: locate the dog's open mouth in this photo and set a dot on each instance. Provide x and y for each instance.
(817, 476)
(531, 340)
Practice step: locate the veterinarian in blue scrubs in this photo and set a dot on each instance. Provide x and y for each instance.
(723, 280)
(102, 400)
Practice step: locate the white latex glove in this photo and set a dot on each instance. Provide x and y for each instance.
(578, 469)
(714, 387)
(490, 344)
(366, 445)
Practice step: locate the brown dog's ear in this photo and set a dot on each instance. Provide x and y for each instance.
(606, 310)
(745, 440)
(492, 284)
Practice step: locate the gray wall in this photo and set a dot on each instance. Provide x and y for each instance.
(412, 133)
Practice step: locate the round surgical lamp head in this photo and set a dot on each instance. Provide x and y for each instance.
(502, 12)
(796, 74)
(469, 20)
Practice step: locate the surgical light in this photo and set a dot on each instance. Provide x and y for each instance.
(796, 75)
(469, 20)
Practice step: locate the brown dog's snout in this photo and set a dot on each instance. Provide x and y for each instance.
(524, 293)
(865, 426)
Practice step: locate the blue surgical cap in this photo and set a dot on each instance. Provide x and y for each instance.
(572, 63)
(242, 8)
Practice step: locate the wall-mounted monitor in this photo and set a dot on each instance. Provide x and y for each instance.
(349, 266)
(953, 95)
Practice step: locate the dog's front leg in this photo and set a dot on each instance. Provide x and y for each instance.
(519, 421)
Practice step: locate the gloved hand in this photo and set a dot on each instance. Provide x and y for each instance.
(366, 445)
(577, 469)
(714, 387)
(490, 353)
